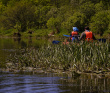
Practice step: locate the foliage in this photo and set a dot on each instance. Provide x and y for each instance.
(99, 22)
(99, 7)
(52, 12)
(88, 9)
(52, 23)
(78, 19)
(4, 1)
(39, 14)
(22, 14)
(2, 8)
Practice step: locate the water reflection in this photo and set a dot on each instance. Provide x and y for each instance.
(87, 84)
(11, 83)
(17, 39)
(12, 45)
(52, 83)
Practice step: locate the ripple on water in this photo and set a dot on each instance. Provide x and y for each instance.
(11, 83)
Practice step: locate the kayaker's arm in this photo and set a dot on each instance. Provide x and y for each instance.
(83, 35)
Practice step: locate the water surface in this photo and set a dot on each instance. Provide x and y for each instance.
(52, 83)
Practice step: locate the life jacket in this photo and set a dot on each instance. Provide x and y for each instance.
(89, 36)
(73, 33)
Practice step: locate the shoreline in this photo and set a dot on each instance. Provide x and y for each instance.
(69, 73)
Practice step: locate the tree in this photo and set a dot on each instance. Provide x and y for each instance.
(4, 2)
(106, 3)
(78, 19)
(22, 14)
(52, 13)
(2, 8)
(53, 23)
(88, 9)
(41, 2)
(93, 1)
(99, 22)
(41, 13)
(100, 7)
(74, 3)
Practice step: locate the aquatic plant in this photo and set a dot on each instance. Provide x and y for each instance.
(83, 57)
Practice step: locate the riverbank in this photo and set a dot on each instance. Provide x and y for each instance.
(68, 73)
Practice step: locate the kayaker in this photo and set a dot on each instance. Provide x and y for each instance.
(87, 35)
(74, 34)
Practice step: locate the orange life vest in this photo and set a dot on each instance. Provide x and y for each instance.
(89, 36)
(73, 33)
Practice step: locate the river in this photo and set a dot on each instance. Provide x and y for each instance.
(45, 82)
(52, 83)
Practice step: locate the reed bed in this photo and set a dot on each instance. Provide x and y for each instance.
(82, 57)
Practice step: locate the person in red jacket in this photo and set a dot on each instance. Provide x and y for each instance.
(87, 35)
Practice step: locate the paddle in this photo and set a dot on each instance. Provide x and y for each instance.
(67, 35)
(70, 35)
(55, 42)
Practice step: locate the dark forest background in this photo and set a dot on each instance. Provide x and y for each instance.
(57, 15)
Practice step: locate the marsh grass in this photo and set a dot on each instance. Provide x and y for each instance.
(82, 57)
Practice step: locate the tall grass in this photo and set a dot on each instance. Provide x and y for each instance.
(83, 57)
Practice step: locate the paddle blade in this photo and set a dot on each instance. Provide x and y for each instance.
(67, 35)
(55, 42)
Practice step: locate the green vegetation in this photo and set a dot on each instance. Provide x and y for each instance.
(20, 16)
(82, 57)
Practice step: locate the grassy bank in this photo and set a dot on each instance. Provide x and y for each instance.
(78, 57)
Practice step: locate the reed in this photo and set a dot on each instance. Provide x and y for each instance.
(83, 57)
